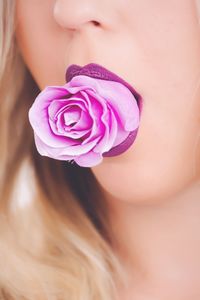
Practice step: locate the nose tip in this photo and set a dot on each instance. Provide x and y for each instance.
(73, 14)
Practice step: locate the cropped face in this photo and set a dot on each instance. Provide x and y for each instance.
(155, 46)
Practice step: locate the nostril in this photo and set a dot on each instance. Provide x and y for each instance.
(96, 23)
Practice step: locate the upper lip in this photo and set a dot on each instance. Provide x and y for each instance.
(97, 71)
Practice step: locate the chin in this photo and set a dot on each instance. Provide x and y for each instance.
(139, 183)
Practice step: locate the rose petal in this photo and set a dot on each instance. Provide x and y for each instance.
(69, 137)
(65, 150)
(117, 150)
(95, 112)
(39, 119)
(85, 122)
(74, 89)
(109, 137)
(57, 105)
(89, 159)
(45, 150)
(114, 93)
(58, 125)
(72, 133)
(121, 133)
(71, 115)
(106, 140)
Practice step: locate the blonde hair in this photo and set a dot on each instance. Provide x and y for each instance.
(57, 244)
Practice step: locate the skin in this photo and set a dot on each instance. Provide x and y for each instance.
(152, 188)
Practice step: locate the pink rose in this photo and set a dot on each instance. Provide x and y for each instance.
(84, 119)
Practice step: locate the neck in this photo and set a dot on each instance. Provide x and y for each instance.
(159, 241)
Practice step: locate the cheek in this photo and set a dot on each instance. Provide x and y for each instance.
(159, 164)
(39, 38)
(167, 37)
(45, 67)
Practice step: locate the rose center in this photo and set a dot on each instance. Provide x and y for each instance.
(71, 116)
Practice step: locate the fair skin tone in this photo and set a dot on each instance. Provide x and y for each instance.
(152, 189)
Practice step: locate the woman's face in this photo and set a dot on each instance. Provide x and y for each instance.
(152, 44)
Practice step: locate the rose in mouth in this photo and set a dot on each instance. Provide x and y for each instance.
(84, 119)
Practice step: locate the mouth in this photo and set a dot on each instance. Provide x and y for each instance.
(100, 72)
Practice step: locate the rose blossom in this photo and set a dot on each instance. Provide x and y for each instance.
(83, 119)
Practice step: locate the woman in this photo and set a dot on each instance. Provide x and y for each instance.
(127, 228)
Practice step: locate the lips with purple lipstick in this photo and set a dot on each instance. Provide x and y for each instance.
(95, 114)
